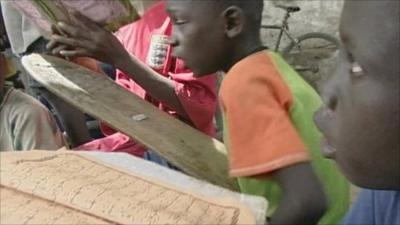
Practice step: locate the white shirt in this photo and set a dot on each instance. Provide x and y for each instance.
(25, 124)
(21, 33)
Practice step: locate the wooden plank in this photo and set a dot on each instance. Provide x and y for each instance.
(192, 151)
(84, 190)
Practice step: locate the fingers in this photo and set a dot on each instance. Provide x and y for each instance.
(58, 49)
(71, 31)
(55, 47)
(61, 46)
(75, 53)
(67, 36)
(55, 29)
(67, 41)
(51, 44)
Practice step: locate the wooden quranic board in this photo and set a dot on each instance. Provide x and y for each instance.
(44, 187)
(190, 150)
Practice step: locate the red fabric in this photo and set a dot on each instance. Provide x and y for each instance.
(197, 95)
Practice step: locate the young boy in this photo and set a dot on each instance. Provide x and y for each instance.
(25, 124)
(269, 131)
(25, 38)
(360, 117)
(171, 88)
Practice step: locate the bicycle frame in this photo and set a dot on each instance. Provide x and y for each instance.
(284, 29)
(296, 42)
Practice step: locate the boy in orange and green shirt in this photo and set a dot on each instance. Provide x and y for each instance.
(279, 131)
(268, 111)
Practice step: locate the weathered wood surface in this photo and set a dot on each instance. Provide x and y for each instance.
(190, 150)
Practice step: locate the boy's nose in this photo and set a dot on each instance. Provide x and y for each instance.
(173, 41)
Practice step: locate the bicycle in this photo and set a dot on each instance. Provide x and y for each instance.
(306, 52)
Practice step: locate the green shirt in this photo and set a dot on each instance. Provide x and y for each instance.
(305, 102)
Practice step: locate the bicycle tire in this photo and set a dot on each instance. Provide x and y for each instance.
(313, 35)
(311, 56)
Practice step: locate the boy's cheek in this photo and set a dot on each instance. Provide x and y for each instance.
(324, 119)
(178, 53)
(346, 166)
(319, 121)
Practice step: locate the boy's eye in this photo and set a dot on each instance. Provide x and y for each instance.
(179, 22)
(356, 69)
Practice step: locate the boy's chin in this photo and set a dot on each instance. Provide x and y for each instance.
(368, 183)
(202, 72)
(369, 179)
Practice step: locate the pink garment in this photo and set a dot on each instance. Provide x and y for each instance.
(197, 95)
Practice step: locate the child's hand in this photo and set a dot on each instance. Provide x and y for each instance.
(55, 47)
(86, 39)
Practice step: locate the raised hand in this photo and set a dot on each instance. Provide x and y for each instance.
(86, 38)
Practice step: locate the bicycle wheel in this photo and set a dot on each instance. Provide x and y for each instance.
(312, 55)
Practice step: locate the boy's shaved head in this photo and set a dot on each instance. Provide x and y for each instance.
(252, 8)
(381, 29)
(361, 115)
(211, 35)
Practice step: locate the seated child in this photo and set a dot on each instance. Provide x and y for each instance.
(268, 109)
(25, 124)
(171, 88)
(360, 117)
(25, 38)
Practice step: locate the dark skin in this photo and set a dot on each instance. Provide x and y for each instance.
(2, 59)
(90, 40)
(360, 118)
(2, 63)
(1, 75)
(226, 36)
(3, 34)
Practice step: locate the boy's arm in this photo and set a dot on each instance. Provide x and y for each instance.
(303, 198)
(158, 86)
(90, 40)
(265, 141)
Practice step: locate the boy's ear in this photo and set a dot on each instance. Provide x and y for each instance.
(234, 21)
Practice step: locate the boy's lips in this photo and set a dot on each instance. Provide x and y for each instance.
(187, 65)
(327, 149)
(184, 60)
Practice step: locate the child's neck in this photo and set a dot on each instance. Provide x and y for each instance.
(243, 50)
